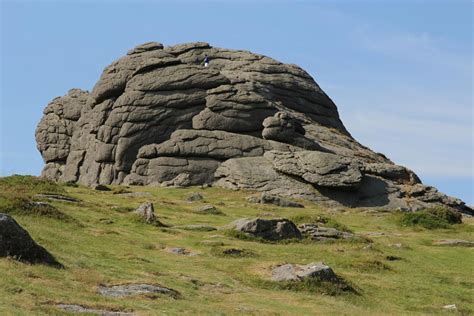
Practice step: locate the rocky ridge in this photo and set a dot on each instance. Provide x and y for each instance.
(158, 117)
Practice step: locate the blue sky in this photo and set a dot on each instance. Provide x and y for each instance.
(399, 71)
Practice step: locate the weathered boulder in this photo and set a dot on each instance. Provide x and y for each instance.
(269, 229)
(17, 243)
(296, 272)
(146, 211)
(158, 117)
(321, 233)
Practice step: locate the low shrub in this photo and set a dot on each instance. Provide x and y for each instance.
(432, 218)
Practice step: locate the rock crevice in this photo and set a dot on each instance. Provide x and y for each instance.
(158, 116)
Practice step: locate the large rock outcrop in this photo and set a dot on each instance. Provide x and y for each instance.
(157, 115)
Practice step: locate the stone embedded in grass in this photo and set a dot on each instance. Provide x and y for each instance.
(208, 209)
(100, 187)
(146, 211)
(268, 229)
(135, 194)
(253, 199)
(319, 233)
(236, 252)
(17, 243)
(106, 221)
(74, 308)
(450, 307)
(43, 209)
(198, 227)
(135, 289)
(56, 197)
(454, 242)
(182, 251)
(278, 201)
(179, 251)
(266, 198)
(295, 272)
(195, 196)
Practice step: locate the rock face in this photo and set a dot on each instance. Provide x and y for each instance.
(16, 242)
(158, 117)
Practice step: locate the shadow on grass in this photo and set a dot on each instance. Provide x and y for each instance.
(338, 286)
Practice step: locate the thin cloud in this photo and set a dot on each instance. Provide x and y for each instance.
(410, 46)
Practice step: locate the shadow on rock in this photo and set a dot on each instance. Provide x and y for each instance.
(15, 242)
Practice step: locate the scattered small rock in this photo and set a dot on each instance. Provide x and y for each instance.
(397, 245)
(295, 272)
(454, 242)
(267, 214)
(208, 209)
(369, 247)
(17, 243)
(56, 197)
(373, 234)
(393, 258)
(135, 289)
(266, 198)
(276, 200)
(198, 227)
(232, 251)
(100, 187)
(253, 199)
(106, 221)
(319, 233)
(135, 194)
(450, 307)
(235, 252)
(42, 205)
(81, 309)
(269, 229)
(195, 196)
(147, 212)
(181, 251)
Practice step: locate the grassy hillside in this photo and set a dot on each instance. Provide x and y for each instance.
(100, 241)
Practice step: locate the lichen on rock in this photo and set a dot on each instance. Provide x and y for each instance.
(157, 116)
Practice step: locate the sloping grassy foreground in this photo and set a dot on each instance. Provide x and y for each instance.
(101, 242)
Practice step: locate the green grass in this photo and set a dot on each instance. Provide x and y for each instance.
(320, 220)
(432, 218)
(109, 246)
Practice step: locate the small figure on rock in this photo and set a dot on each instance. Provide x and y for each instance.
(206, 61)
